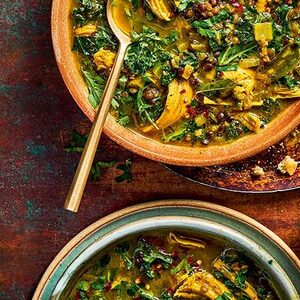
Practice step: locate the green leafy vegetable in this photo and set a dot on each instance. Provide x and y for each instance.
(147, 112)
(87, 11)
(282, 12)
(234, 130)
(183, 265)
(288, 81)
(241, 278)
(188, 58)
(284, 63)
(83, 285)
(145, 52)
(225, 296)
(185, 4)
(167, 75)
(126, 168)
(96, 170)
(234, 52)
(145, 255)
(100, 283)
(94, 82)
(175, 135)
(103, 38)
(122, 251)
(77, 143)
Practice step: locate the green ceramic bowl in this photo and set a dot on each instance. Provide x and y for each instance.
(263, 246)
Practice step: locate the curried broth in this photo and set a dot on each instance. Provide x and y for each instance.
(170, 266)
(198, 72)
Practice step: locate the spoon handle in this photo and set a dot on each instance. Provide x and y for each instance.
(74, 196)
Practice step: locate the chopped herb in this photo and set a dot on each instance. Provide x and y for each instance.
(241, 278)
(77, 143)
(288, 81)
(96, 170)
(126, 168)
(99, 284)
(234, 130)
(83, 286)
(167, 75)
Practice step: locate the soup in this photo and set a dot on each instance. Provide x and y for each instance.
(198, 72)
(170, 266)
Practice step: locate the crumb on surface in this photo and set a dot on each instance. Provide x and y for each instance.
(288, 166)
(258, 171)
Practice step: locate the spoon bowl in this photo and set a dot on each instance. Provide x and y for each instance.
(120, 29)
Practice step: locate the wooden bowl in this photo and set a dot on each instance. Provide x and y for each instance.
(172, 154)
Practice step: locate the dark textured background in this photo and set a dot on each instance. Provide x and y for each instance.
(36, 111)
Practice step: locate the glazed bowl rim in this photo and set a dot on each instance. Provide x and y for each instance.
(146, 146)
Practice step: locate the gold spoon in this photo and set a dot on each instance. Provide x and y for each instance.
(82, 173)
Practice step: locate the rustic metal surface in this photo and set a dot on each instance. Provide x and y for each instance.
(239, 176)
(35, 172)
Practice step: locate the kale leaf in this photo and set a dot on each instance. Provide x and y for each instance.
(188, 58)
(122, 251)
(103, 38)
(166, 296)
(87, 11)
(94, 82)
(145, 255)
(288, 81)
(145, 51)
(225, 296)
(177, 135)
(235, 52)
(184, 4)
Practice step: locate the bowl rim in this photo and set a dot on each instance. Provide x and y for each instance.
(146, 146)
(148, 206)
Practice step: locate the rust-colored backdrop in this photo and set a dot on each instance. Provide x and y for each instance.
(36, 110)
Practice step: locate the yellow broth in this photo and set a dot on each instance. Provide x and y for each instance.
(159, 267)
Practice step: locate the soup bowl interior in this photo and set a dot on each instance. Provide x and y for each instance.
(184, 155)
(194, 218)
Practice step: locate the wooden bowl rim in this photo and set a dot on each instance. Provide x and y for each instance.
(136, 142)
(139, 208)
